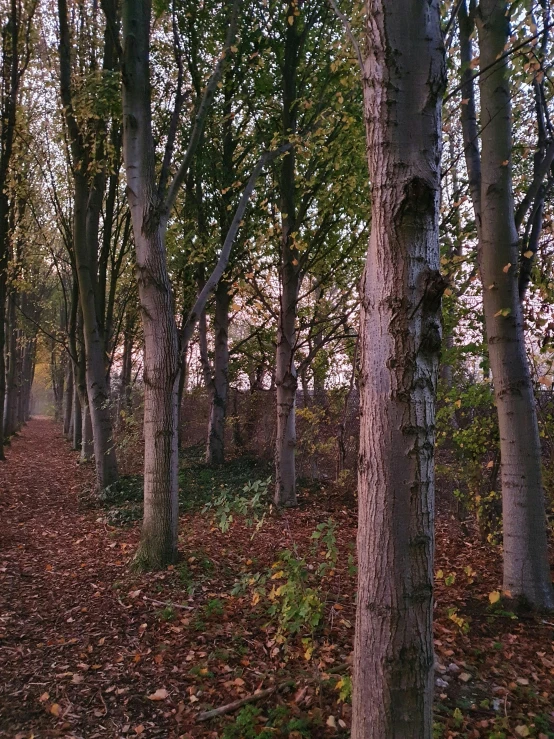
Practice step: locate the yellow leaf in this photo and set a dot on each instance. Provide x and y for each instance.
(458, 404)
(522, 730)
(494, 597)
(528, 254)
(277, 575)
(440, 575)
(55, 709)
(234, 49)
(506, 268)
(290, 20)
(255, 599)
(505, 163)
(490, 465)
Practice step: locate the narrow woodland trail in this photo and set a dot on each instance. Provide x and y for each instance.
(54, 613)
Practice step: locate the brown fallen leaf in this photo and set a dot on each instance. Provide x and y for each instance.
(160, 695)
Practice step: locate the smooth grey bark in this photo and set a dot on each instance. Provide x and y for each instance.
(286, 380)
(88, 193)
(77, 418)
(68, 401)
(219, 381)
(525, 546)
(400, 336)
(12, 380)
(87, 441)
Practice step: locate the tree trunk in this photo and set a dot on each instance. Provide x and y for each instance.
(68, 405)
(12, 379)
(286, 384)
(400, 337)
(215, 452)
(285, 372)
(87, 440)
(158, 544)
(97, 386)
(526, 568)
(77, 418)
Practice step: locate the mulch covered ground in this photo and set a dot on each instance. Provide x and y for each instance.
(88, 649)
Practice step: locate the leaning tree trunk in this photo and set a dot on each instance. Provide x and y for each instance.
(215, 453)
(400, 337)
(526, 568)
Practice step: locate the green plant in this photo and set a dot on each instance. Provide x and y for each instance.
(213, 607)
(296, 605)
(326, 533)
(167, 613)
(252, 505)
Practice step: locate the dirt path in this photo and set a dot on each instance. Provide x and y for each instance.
(66, 641)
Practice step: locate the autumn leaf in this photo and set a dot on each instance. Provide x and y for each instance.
(160, 695)
(494, 597)
(55, 709)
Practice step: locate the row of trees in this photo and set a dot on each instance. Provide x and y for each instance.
(207, 163)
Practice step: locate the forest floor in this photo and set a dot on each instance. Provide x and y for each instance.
(89, 649)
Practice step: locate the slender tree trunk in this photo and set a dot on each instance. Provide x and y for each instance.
(12, 380)
(286, 382)
(125, 389)
(526, 568)
(285, 372)
(400, 337)
(215, 453)
(77, 418)
(68, 404)
(97, 386)
(87, 440)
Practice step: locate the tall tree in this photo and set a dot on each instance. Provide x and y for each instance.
(87, 137)
(400, 336)
(525, 550)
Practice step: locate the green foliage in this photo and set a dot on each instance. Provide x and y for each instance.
(278, 723)
(123, 500)
(251, 505)
(467, 431)
(297, 606)
(214, 608)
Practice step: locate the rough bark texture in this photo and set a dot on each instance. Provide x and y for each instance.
(158, 545)
(400, 336)
(526, 569)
